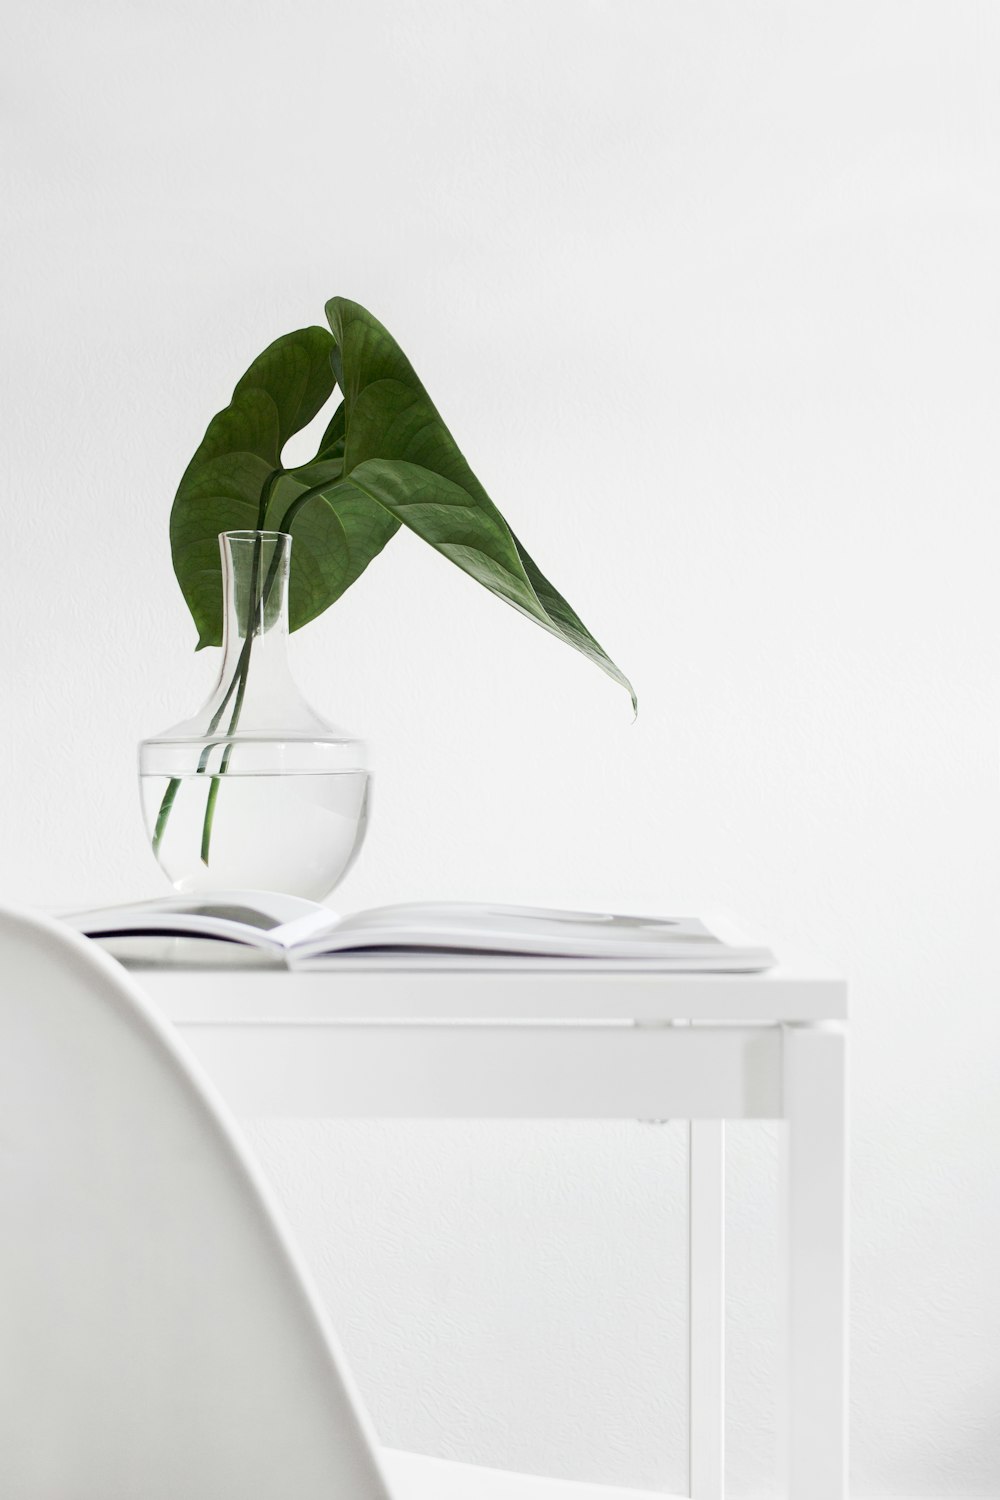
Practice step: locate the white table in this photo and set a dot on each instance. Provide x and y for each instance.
(558, 1045)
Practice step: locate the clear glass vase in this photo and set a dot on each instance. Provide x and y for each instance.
(257, 791)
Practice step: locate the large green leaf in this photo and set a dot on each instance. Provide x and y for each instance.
(223, 485)
(385, 459)
(399, 454)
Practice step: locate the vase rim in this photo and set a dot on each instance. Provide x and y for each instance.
(249, 536)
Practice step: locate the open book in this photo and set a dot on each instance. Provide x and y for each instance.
(428, 935)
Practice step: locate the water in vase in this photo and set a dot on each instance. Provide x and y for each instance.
(295, 832)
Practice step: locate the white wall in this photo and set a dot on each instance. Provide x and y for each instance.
(709, 295)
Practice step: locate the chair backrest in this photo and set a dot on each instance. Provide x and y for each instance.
(159, 1339)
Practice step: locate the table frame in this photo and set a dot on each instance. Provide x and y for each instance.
(570, 1045)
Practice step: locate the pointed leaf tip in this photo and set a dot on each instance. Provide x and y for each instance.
(399, 453)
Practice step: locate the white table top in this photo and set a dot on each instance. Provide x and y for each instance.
(224, 993)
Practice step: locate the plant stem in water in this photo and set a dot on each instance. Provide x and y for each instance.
(254, 607)
(164, 813)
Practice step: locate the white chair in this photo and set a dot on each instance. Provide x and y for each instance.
(159, 1337)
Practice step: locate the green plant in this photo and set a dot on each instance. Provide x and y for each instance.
(386, 459)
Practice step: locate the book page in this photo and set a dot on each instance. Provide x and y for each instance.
(473, 927)
(264, 919)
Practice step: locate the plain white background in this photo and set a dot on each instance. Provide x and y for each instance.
(709, 295)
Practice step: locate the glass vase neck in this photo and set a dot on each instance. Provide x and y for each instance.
(255, 569)
(256, 692)
(255, 696)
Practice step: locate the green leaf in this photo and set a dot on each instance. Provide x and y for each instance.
(335, 535)
(296, 372)
(399, 454)
(226, 480)
(478, 541)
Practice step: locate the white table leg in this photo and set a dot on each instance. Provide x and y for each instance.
(707, 1309)
(815, 1194)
